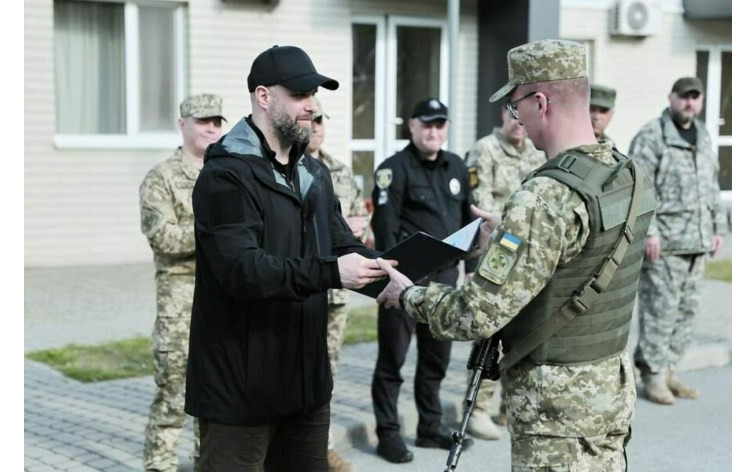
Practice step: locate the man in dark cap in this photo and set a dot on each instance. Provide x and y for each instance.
(271, 240)
(602, 109)
(421, 188)
(690, 223)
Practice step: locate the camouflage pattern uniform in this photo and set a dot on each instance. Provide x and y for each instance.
(352, 204)
(168, 222)
(499, 169)
(560, 417)
(574, 417)
(686, 178)
(165, 198)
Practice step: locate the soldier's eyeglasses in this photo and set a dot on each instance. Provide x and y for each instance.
(512, 108)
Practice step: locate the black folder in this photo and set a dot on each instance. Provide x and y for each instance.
(422, 254)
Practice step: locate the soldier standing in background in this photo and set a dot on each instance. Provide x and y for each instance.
(602, 109)
(557, 282)
(498, 163)
(165, 199)
(677, 151)
(355, 213)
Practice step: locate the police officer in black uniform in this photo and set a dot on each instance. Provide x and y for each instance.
(421, 188)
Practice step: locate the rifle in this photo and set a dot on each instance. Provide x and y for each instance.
(484, 364)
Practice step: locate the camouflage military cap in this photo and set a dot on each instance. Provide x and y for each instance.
(319, 112)
(602, 97)
(543, 61)
(202, 106)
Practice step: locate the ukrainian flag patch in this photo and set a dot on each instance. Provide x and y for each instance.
(510, 241)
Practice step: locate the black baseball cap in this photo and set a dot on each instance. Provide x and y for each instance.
(430, 109)
(288, 66)
(687, 84)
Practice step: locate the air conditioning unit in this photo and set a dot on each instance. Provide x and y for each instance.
(635, 18)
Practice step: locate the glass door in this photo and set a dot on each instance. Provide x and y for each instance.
(396, 62)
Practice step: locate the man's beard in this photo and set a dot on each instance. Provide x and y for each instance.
(286, 128)
(679, 118)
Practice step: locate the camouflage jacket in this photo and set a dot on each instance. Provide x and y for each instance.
(165, 200)
(352, 204)
(500, 168)
(686, 178)
(551, 221)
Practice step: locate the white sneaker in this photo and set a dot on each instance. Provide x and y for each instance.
(481, 426)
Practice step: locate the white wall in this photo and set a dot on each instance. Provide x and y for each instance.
(81, 205)
(641, 69)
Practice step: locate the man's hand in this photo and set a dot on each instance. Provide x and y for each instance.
(357, 224)
(357, 271)
(716, 244)
(490, 223)
(652, 248)
(389, 297)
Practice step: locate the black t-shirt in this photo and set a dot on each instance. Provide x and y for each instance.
(690, 135)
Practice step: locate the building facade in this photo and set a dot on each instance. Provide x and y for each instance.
(103, 80)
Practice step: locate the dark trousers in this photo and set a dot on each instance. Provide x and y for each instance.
(298, 443)
(394, 336)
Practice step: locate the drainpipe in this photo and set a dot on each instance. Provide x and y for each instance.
(453, 18)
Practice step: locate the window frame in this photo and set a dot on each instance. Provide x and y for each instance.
(134, 138)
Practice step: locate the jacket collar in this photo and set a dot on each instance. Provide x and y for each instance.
(672, 136)
(191, 172)
(246, 141)
(418, 160)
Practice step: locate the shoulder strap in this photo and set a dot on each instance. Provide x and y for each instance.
(583, 299)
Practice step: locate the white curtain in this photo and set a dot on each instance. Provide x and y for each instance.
(157, 52)
(90, 74)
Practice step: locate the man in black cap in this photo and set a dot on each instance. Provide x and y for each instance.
(421, 188)
(271, 241)
(677, 151)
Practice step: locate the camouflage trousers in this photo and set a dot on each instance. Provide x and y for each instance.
(570, 418)
(337, 320)
(669, 295)
(170, 344)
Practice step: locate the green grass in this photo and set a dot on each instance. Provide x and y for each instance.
(133, 357)
(108, 361)
(362, 325)
(719, 270)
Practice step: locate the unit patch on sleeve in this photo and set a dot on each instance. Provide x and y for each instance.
(473, 171)
(500, 259)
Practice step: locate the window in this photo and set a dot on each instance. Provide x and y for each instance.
(714, 68)
(119, 73)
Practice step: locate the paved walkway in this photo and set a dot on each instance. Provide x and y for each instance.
(74, 426)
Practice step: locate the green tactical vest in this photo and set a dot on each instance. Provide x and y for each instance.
(602, 330)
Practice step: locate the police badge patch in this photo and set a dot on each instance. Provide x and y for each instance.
(383, 178)
(454, 186)
(383, 197)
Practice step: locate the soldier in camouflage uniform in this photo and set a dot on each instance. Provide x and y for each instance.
(355, 213)
(602, 109)
(570, 400)
(165, 198)
(677, 151)
(498, 163)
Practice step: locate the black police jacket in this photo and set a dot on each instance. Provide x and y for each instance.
(267, 252)
(412, 194)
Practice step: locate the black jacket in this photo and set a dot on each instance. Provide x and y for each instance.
(430, 196)
(265, 257)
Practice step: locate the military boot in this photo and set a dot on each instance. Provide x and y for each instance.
(481, 426)
(680, 390)
(338, 464)
(655, 388)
